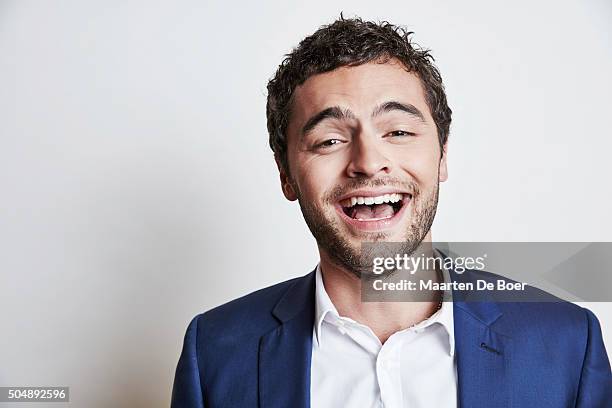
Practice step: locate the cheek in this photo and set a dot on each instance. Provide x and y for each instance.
(420, 162)
(318, 175)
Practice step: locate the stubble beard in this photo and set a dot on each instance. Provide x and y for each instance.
(325, 225)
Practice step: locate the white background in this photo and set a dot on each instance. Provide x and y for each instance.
(137, 187)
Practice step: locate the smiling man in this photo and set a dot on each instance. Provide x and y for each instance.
(359, 123)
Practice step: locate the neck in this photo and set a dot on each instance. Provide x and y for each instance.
(384, 318)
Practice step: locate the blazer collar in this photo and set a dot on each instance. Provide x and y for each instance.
(298, 297)
(301, 295)
(485, 310)
(285, 352)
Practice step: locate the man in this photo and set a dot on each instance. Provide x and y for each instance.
(359, 122)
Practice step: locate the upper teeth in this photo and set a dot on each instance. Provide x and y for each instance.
(385, 198)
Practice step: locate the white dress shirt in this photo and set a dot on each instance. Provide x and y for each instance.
(415, 367)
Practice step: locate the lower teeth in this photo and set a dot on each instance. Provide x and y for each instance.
(373, 212)
(374, 219)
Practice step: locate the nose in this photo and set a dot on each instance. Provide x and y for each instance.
(367, 160)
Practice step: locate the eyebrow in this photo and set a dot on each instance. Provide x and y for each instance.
(398, 106)
(336, 112)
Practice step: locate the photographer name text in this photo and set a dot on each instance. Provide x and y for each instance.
(482, 285)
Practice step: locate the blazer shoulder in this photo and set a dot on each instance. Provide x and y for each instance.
(553, 315)
(534, 306)
(249, 314)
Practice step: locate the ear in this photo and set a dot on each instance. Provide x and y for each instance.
(443, 169)
(285, 179)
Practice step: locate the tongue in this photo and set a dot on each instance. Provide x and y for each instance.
(368, 212)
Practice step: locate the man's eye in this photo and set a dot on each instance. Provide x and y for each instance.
(329, 143)
(399, 133)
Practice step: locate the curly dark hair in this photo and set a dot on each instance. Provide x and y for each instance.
(351, 42)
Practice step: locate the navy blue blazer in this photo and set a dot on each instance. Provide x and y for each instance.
(255, 352)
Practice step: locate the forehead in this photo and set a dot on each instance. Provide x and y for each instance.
(359, 88)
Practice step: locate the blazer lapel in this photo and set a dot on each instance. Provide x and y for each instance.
(482, 356)
(285, 352)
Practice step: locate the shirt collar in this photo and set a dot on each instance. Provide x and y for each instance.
(323, 304)
(444, 316)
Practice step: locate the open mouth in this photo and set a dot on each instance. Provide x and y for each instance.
(376, 208)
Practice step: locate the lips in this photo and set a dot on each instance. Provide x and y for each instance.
(373, 211)
(368, 208)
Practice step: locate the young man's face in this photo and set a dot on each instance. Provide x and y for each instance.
(364, 159)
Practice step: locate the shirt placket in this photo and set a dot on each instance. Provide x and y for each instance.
(388, 372)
